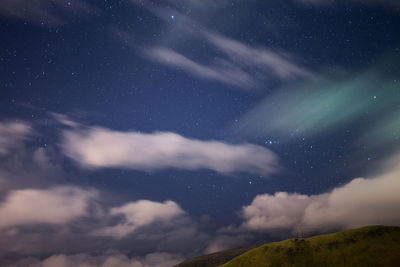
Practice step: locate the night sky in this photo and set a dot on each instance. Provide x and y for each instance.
(141, 133)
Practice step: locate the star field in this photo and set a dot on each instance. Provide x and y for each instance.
(207, 104)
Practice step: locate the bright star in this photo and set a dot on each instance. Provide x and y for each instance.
(172, 16)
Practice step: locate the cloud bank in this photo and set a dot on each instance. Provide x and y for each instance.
(97, 147)
(159, 259)
(358, 203)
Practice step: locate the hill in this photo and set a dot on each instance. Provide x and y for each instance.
(215, 259)
(367, 246)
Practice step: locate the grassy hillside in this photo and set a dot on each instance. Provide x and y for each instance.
(368, 246)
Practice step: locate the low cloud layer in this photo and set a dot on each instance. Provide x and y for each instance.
(118, 260)
(97, 147)
(57, 205)
(358, 203)
(138, 214)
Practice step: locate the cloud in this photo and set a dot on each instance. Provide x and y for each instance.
(238, 67)
(57, 205)
(12, 134)
(158, 259)
(358, 203)
(46, 13)
(222, 71)
(200, 4)
(23, 166)
(97, 147)
(139, 227)
(230, 61)
(270, 212)
(385, 3)
(64, 119)
(280, 65)
(138, 214)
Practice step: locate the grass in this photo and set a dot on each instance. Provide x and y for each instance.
(367, 246)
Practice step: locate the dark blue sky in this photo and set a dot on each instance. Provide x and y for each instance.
(208, 104)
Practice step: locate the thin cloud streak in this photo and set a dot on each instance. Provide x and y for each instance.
(263, 59)
(240, 65)
(224, 72)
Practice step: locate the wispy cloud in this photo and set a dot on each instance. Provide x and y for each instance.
(237, 64)
(46, 13)
(97, 147)
(280, 65)
(221, 71)
(12, 134)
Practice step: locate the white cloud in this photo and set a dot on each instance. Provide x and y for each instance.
(99, 147)
(138, 214)
(271, 212)
(157, 259)
(358, 203)
(57, 205)
(46, 13)
(12, 134)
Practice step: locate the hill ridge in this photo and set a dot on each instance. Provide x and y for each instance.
(366, 246)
